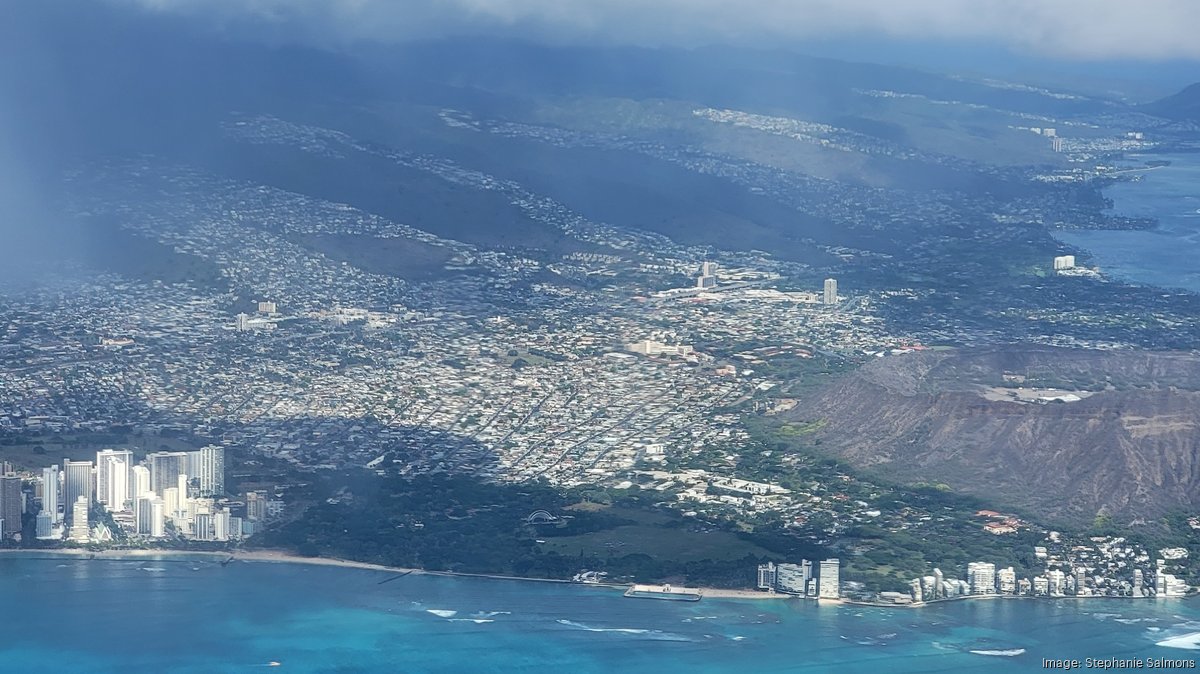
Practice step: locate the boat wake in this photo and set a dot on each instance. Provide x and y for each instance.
(441, 613)
(1189, 642)
(650, 634)
(477, 621)
(1007, 653)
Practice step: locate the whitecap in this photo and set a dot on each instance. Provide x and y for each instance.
(152, 568)
(477, 621)
(441, 613)
(941, 647)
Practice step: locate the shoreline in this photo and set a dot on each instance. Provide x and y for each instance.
(284, 557)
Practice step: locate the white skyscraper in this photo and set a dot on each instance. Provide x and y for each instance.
(158, 519)
(79, 520)
(141, 482)
(149, 516)
(830, 295)
(220, 522)
(113, 478)
(212, 471)
(50, 487)
(171, 502)
(830, 580)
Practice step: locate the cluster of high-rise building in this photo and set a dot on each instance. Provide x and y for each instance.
(168, 493)
(806, 579)
(983, 578)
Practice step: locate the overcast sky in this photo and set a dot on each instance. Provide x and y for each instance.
(1072, 29)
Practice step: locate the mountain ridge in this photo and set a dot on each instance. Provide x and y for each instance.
(1121, 448)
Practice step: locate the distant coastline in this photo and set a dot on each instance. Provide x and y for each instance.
(284, 557)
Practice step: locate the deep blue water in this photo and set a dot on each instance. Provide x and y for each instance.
(1166, 256)
(66, 615)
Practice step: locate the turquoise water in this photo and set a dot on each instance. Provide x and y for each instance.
(1166, 256)
(65, 615)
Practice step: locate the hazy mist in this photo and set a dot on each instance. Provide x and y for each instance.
(1072, 29)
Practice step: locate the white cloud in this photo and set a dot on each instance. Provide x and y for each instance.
(1081, 29)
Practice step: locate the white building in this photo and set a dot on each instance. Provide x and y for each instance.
(982, 577)
(1056, 583)
(1007, 580)
(1064, 262)
(794, 578)
(830, 581)
(50, 493)
(830, 295)
(141, 482)
(150, 520)
(114, 478)
(79, 520)
(652, 348)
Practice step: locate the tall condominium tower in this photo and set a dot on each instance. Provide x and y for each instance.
(831, 294)
(79, 520)
(77, 482)
(830, 580)
(10, 505)
(114, 478)
(141, 482)
(165, 469)
(50, 494)
(212, 471)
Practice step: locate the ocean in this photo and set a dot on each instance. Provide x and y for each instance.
(1165, 256)
(187, 615)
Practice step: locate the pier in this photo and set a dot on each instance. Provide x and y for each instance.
(664, 592)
